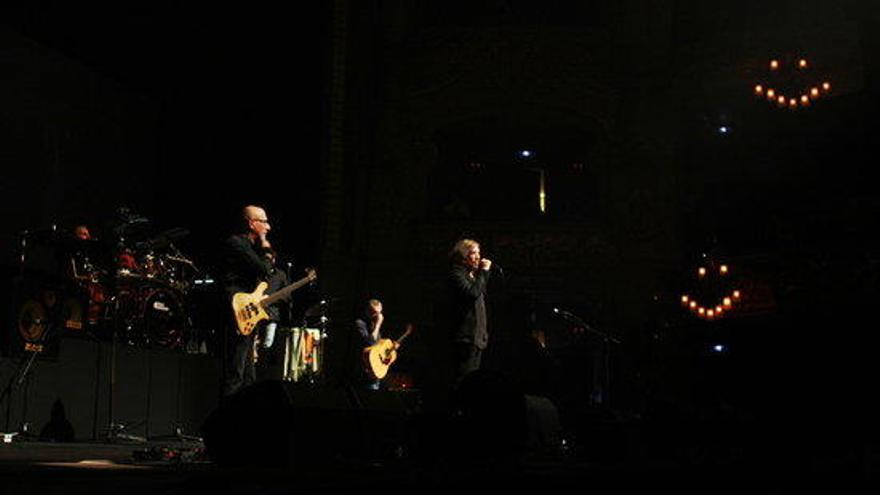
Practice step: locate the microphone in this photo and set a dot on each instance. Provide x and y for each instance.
(561, 312)
(500, 270)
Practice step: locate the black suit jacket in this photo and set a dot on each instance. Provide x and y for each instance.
(244, 265)
(468, 306)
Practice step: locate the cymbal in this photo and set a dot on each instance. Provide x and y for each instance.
(165, 238)
(76, 241)
(320, 307)
(67, 243)
(136, 226)
(314, 310)
(175, 234)
(42, 236)
(72, 244)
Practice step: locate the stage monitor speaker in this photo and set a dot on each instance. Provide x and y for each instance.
(276, 423)
(496, 419)
(490, 417)
(251, 428)
(544, 425)
(40, 311)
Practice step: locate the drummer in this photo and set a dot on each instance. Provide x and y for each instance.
(81, 265)
(86, 272)
(81, 232)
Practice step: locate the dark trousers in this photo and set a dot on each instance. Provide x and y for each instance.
(466, 358)
(238, 367)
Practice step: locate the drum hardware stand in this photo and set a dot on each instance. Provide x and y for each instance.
(291, 344)
(292, 340)
(178, 433)
(98, 357)
(21, 376)
(323, 328)
(115, 431)
(25, 364)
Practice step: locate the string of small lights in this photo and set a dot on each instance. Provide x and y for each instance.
(791, 85)
(708, 274)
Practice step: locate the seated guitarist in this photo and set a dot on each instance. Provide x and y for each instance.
(247, 259)
(369, 327)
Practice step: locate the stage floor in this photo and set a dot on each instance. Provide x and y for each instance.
(179, 468)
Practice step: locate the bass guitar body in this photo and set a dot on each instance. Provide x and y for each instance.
(248, 310)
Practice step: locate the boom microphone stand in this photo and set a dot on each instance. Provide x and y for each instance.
(606, 340)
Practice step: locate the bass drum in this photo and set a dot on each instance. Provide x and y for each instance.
(163, 319)
(152, 316)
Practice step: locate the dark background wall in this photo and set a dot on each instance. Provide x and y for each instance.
(623, 104)
(376, 133)
(181, 112)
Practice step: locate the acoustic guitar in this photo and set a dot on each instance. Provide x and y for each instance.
(381, 355)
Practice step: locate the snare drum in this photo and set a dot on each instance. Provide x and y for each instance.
(152, 266)
(126, 263)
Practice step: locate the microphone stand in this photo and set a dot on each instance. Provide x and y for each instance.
(606, 339)
(22, 376)
(289, 301)
(499, 269)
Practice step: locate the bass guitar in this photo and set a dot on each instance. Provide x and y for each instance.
(250, 308)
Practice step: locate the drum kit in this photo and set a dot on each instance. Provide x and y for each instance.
(138, 288)
(134, 288)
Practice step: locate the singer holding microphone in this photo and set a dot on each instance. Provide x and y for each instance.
(467, 286)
